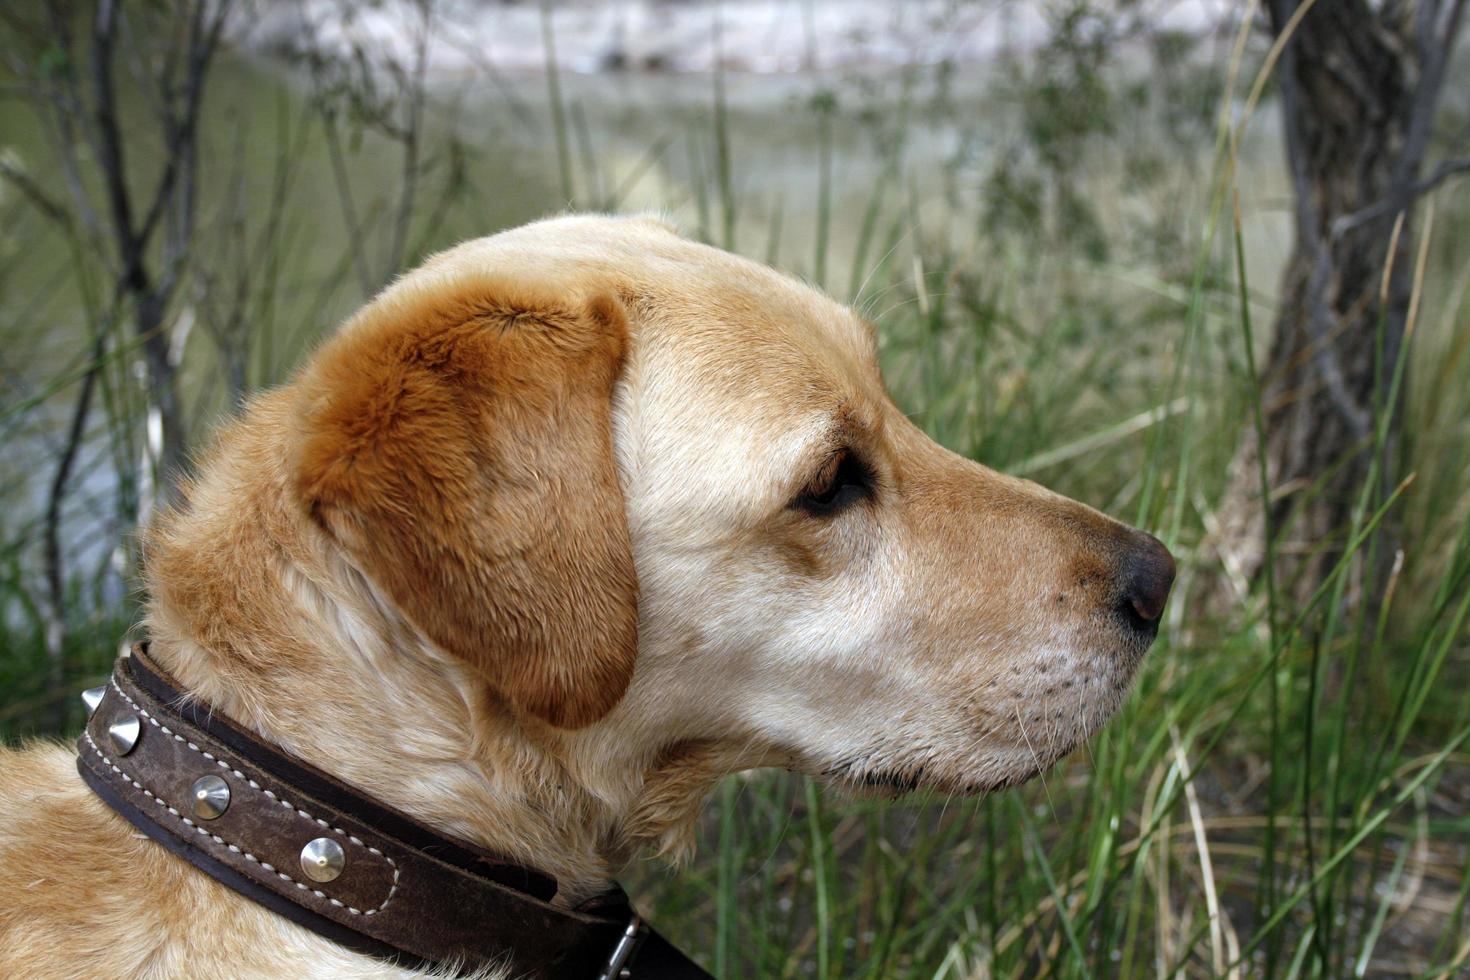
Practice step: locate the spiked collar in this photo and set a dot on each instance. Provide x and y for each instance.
(332, 859)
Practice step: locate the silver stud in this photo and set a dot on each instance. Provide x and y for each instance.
(124, 732)
(92, 697)
(211, 796)
(322, 859)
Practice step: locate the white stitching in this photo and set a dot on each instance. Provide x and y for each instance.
(247, 855)
(392, 888)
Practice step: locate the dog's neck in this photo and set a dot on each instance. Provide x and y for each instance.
(409, 732)
(254, 611)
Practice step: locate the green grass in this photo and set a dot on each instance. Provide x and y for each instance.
(1287, 792)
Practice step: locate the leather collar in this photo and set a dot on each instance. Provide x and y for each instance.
(243, 812)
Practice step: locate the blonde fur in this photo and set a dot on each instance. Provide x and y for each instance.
(516, 553)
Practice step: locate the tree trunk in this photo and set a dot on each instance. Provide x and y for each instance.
(1358, 91)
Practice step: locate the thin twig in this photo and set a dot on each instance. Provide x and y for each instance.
(1392, 203)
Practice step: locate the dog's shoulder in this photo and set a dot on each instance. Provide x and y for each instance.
(79, 886)
(83, 893)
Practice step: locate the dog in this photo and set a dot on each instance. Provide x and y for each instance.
(560, 529)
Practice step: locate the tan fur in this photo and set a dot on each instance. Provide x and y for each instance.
(516, 552)
(450, 457)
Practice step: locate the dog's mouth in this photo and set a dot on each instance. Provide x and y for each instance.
(993, 740)
(885, 782)
(892, 782)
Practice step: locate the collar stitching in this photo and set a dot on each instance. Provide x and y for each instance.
(392, 888)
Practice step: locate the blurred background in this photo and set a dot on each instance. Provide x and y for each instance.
(1200, 263)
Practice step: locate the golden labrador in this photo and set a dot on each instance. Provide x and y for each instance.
(557, 531)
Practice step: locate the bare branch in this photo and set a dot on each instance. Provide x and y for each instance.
(42, 201)
(413, 131)
(1396, 203)
(1433, 50)
(60, 109)
(180, 131)
(110, 148)
(56, 627)
(343, 182)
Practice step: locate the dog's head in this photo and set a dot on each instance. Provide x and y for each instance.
(654, 494)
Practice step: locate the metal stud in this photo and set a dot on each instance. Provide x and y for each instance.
(211, 796)
(322, 859)
(92, 697)
(124, 733)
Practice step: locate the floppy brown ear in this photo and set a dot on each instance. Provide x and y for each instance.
(455, 438)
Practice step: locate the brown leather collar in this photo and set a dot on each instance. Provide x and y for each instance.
(243, 812)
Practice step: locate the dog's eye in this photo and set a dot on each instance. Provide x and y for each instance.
(843, 481)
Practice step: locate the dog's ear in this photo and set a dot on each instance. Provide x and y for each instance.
(455, 438)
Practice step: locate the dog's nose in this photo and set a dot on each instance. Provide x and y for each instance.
(1147, 573)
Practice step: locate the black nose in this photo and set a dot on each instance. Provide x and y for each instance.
(1147, 573)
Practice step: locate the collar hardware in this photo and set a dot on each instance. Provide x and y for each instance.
(618, 965)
